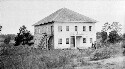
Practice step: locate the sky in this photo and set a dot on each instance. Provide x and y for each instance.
(15, 13)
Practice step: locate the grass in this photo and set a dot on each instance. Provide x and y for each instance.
(26, 57)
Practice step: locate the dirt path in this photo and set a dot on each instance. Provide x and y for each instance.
(115, 63)
(118, 59)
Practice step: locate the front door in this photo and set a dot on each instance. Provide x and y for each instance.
(72, 41)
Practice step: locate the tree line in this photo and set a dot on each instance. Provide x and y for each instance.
(23, 37)
(111, 33)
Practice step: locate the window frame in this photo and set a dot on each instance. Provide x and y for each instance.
(76, 28)
(67, 28)
(90, 28)
(84, 40)
(91, 40)
(59, 28)
(84, 28)
(35, 31)
(60, 41)
(66, 40)
(39, 30)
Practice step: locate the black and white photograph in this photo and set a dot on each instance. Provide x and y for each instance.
(62, 34)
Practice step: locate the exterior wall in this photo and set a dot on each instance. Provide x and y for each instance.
(67, 34)
(39, 30)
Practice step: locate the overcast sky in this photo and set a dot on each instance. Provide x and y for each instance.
(14, 14)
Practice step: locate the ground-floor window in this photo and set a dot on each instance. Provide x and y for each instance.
(67, 40)
(91, 40)
(84, 40)
(60, 41)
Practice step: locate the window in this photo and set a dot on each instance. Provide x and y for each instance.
(51, 29)
(60, 41)
(39, 30)
(59, 28)
(90, 28)
(35, 31)
(84, 28)
(67, 40)
(91, 40)
(67, 28)
(84, 40)
(75, 28)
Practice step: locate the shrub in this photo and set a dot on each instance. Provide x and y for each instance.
(104, 54)
(107, 52)
(7, 40)
(54, 62)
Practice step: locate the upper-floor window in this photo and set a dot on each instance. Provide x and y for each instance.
(39, 30)
(91, 40)
(35, 31)
(84, 28)
(67, 40)
(67, 28)
(59, 28)
(60, 41)
(75, 28)
(84, 40)
(52, 30)
(90, 28)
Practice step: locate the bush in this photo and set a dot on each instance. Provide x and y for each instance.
(55, 61)
(107, 51)
(7, 40)
(98, 54)
(123, 46)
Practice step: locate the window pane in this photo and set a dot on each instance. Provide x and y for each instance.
(91, 40)
(67, 28)
(84, 28)
(39, 31)
(60, 41)
(35, 31)
(75, 28)
(84, 40)
(59, 28)
(90, 28)
(67, 40)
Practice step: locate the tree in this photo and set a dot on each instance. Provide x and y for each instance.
(106, 27)
(104, 36)
(114, 34)
(23, 37)
(114, 37)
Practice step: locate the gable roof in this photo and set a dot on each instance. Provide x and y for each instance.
(65, 15)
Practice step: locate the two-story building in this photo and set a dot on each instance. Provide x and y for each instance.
(65, 29)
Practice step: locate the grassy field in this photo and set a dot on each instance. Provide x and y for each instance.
(26, 57)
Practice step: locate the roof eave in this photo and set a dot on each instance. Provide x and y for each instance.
(43, 23)
(76, 21)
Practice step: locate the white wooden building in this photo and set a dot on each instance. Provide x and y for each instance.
(65, 29)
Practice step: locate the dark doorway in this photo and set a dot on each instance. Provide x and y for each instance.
(51, 43)
(72, 41)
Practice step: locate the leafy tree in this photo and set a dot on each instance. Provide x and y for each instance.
(106, 27)
(23, 37)
(104, 36)
(114, 37)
